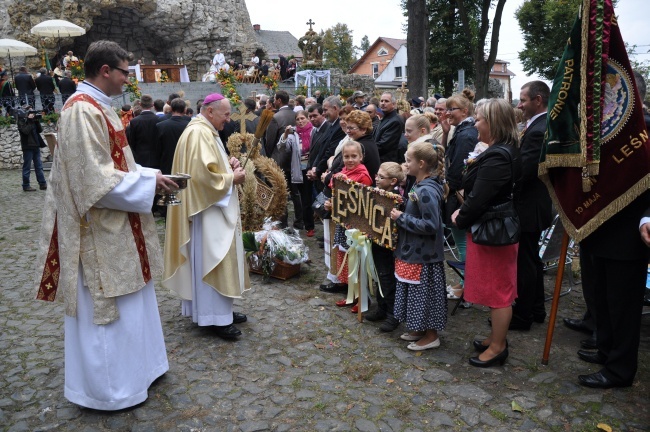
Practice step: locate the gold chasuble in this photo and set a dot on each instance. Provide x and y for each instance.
(201, 154)
(119, 250)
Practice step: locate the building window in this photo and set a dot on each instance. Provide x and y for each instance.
(406, 71)
(375, 70)
(398, 72)
(382, 52)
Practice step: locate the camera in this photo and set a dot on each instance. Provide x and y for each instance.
(24, 112)
(37, 114)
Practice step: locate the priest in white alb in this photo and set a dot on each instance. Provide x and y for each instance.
(204, 254)
(99, 249)
(219, 59)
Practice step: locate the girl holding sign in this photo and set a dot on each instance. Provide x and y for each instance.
(355, 170)
(421, 297)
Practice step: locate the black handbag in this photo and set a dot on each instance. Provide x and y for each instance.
(499, 225)
(319, 206)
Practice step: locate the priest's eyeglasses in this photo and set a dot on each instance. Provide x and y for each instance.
(125, 72)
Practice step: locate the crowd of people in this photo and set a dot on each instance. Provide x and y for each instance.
(47, 83)
(452, 160)
(286, 67)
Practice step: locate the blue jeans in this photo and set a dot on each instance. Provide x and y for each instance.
(29, 156)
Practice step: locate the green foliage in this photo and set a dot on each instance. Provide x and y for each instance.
(50, 118)
(545, 25)
(6, 121)
(365, 45)
(643, 67)
(338, 50)
(449, 45)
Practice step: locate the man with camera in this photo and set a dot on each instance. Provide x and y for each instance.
(31, 143)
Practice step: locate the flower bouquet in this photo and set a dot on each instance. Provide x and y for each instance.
(275, 252)
(77, 70)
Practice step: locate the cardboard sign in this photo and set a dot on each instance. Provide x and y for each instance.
(355, 205)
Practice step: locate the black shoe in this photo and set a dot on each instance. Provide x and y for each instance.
(515, 324)
(478, 345)
(29, 189)
(376, 315)
(227, 332)
(592, 356)
(333, 288)
(320, 239)
(43, 186)
(539, 318)
(238, 318)
(499, 358)
(389, 324)
(600, 381)
(299, 225)
(578, 325)
(589, 344)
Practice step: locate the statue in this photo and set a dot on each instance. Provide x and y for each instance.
(311, 45)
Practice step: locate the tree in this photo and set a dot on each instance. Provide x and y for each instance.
(545, 26)
(479, 31)
(338, 50)
(416, 47)
(448, 46)
(495, 89)
(365, 44)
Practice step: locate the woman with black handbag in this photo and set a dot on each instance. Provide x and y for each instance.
(493, 226)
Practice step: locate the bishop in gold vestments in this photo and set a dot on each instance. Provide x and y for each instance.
(204, 255)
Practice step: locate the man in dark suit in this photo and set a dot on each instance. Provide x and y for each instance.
(390, 130)
(331, 107)
(281, 119)
(614, 261)
(67, 87)
(534, 209)
(46, 87)
(168, 133)
(264, 69)
(24, 83)
(318, 135)
(143, 135)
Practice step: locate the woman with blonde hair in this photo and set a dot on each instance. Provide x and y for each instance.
(460, 110)
(491, 270)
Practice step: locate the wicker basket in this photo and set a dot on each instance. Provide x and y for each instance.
(282, 270)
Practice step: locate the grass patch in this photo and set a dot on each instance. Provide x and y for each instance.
(362, 372)
(320, 406)
(402, 407)
(498, 415)
(22, 228)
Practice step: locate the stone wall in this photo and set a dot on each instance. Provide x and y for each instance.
(11, 156)
(339, 79)
(161, 30)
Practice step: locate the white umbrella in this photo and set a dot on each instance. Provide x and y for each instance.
(17, 48)
(57, 28)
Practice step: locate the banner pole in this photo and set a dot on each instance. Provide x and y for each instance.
(556, 298)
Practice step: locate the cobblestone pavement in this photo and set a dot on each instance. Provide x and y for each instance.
(302, 364)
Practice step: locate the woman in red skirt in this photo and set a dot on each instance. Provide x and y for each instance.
(491, 271)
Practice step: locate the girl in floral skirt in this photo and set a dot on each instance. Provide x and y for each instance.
(421, 297)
